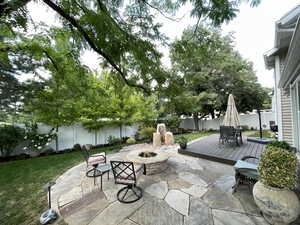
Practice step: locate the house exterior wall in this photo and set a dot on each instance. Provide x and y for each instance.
(277, 92)
(286, 116)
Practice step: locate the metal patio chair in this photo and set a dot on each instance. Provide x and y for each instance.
(228, 135)
(92, 160)
(246, 172)
(126, 174)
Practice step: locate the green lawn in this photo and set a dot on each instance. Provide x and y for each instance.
(192, 136)
(22, 198)
(265, 134)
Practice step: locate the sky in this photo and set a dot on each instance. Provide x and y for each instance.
(254, 32)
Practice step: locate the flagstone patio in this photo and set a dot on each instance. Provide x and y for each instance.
(191, 191)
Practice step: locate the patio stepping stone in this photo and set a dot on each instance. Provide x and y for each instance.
(200, 213)
(179, 201)
(116, 212)
(218, 199)
(86, 213)
(195, 190)
(156, 212)
(221, 217)
(192, 179)
(158, 190)
(77, 205)
(225, 183)
(128, 222)
(178, 184)
(245, 197)
(74, 194)
(194, 164)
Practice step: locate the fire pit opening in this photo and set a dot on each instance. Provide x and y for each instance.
(147, 154)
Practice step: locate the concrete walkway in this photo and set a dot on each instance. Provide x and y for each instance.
(190, 191)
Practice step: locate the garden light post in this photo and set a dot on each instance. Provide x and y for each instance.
(49, 215)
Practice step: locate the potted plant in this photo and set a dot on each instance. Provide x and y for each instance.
(182, 141)
(273, 192)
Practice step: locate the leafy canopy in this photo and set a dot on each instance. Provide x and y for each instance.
(123, 33)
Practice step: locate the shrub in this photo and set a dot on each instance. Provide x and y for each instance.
(35, 140)
(113, 140)
(278, 168)
(279, 144)
(181, 140)
(245, 127)
(77, 147)
(147, 133)
(130, 141)
(10, 137)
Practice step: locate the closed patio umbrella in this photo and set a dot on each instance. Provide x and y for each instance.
(232, 117)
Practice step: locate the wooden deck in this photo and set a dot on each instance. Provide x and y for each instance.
(209, 148)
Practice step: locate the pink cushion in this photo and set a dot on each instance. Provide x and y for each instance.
(125, 181)
(96, 160)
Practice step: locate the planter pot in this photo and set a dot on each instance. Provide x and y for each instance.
(182, 146)
(279, 206)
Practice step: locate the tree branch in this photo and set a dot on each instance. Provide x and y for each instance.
(161, 12)
(86, 36)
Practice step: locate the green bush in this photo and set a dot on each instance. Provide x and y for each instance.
(245, 127)
(279, 144)
(278, 168)
(113, 140)
(77, 147)
(35, 140)
(130, 141)
(147, 133)
(10, 137)
(181, 140)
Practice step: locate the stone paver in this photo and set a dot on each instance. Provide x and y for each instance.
(192, 178)
(225, 183)
(128, 222)
(199, 213)
(158, 190)
(70, 196)
(116, 212)
(195, 190)
(221, 217)
(179, 201)
(178, 183)
(190, 191)
(217, 199)
(87, 212)
(156, 212)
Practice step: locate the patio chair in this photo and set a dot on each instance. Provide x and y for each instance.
(228, 135)
(92, 160)
(125, 173)
(245, 172)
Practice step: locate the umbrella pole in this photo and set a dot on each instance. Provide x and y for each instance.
(259, 119)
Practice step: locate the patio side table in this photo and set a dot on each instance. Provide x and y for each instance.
(102, 169)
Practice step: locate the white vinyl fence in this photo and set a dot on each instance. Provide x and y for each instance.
(70, 135)
(251, 120)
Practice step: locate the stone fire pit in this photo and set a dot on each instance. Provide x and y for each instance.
(155, 161)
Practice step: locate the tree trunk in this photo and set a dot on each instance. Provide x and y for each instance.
(56, 139)
(212, 113)
(259, 119)
(95, 137)
(196, 121)
(121, 133)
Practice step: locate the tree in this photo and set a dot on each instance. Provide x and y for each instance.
(122, 105)
(123, 34)
(208, 70)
